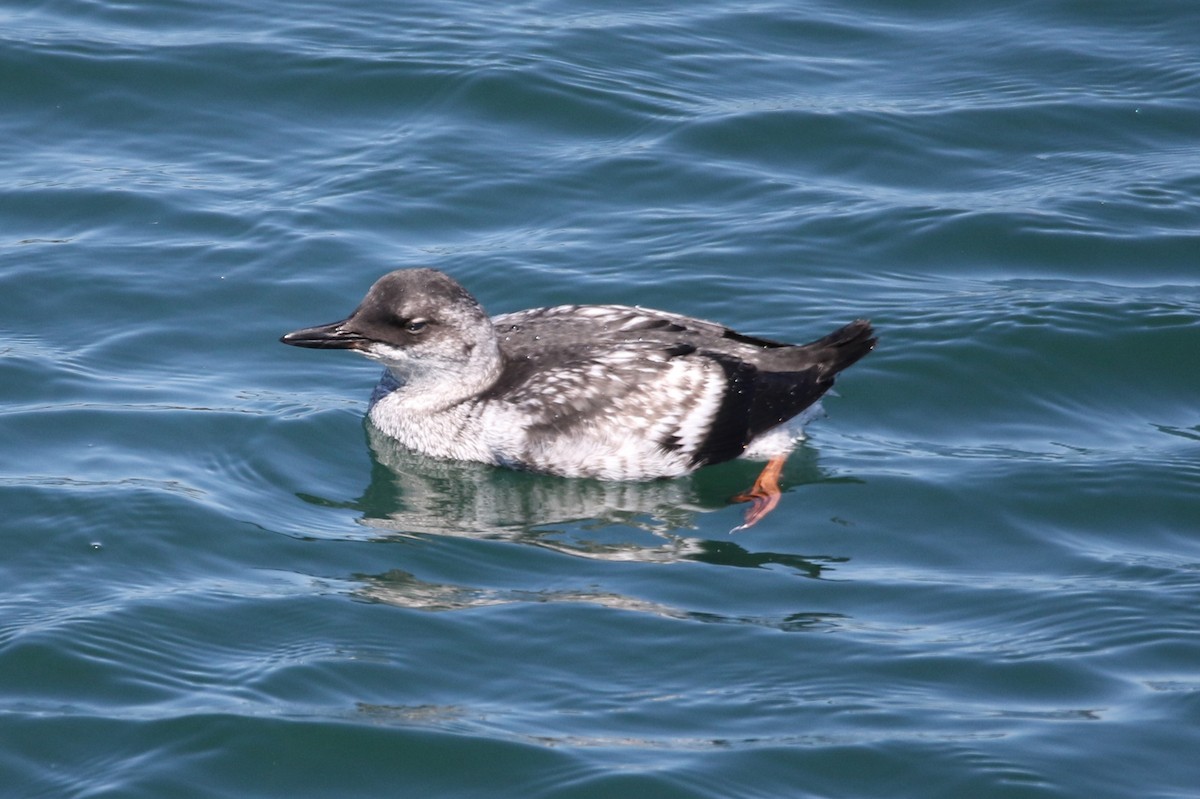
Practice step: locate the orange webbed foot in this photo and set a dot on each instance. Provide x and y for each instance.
(764, 495)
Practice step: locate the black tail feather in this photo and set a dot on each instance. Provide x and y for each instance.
(784, 383)
(843, 347)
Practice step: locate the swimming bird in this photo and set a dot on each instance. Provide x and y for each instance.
(604, 391)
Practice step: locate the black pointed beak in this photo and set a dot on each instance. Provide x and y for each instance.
(326, 337)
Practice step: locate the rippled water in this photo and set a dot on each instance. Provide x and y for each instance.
(983, 580)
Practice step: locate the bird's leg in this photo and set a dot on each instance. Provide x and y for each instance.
(764, 495)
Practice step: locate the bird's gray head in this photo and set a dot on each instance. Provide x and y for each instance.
(429, 331)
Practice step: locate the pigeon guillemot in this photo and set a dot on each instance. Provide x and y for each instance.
(605, 391)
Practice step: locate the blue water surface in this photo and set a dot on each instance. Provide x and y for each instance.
(983, 579)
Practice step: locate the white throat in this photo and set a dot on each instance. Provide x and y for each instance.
(429, 382)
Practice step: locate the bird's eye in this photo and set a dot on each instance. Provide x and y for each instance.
(416, 325)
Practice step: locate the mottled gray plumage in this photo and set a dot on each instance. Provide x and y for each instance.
(605, 391)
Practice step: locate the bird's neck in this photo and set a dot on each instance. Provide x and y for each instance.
(432, 386)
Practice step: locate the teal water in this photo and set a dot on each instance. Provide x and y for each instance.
(982, 581)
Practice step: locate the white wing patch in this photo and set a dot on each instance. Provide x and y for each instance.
(707, 391)
(630, 413)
